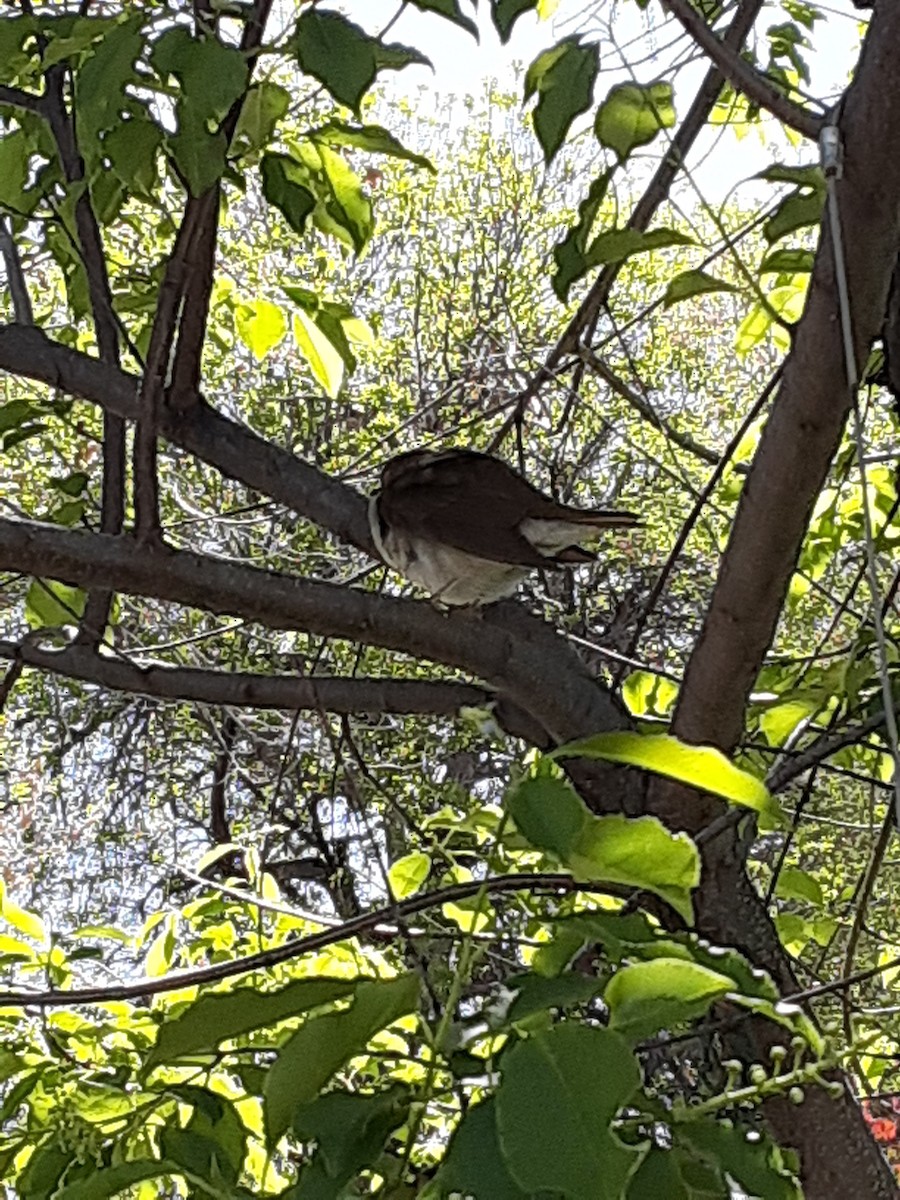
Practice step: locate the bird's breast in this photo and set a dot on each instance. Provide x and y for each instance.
(451, 576)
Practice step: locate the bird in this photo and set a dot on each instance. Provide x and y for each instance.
(468, 528)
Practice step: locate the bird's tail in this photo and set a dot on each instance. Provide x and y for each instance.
(561, 537)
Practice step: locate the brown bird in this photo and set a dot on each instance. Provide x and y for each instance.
(468, 528)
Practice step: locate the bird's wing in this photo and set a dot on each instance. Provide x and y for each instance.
(461, 499)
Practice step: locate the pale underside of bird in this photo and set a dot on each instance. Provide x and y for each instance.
(468, 528)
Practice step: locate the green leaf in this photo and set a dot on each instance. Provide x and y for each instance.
(451, 11)
(104, 1182)
(285, 183)
(796, 884)
(563, 79)
(659, 1176)
(350, 1130)
(214, 1141)
(570, 254)
(49, 604)
(408, 874)
(324, 360)
(505, 13)
(26, 922)
(264, 106)
(535, 993)
(216, 1017)
(809, 176)
(373, 138)
(646, 692)
(342, 56)
(101, 82)
(309, 1058)
(549, 813)
(749, 1157)
(616, 245)
(633, 114)
(796, 211)
(474, 1164)
(212, 75)
(788, 262)
(261, 325)
(347, 204)
(471, 916)
(132, 147)
(702, 767)
(694, 283)
(648, 996)
(15, 150)
(569, 1083)
(71, 485)
(636, 852)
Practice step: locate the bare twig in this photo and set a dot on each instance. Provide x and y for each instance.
(15, 276)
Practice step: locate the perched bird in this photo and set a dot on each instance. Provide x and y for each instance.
(468, 528)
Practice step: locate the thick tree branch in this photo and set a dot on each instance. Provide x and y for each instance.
(742, 75)
(533, 666)
(228, 446)
(809, 412)
(242, 689)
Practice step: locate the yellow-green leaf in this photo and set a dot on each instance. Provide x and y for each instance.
(408, 874)
(702, 767)
(324, 360)
(261, 325)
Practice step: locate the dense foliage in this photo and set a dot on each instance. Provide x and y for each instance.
(311, 889)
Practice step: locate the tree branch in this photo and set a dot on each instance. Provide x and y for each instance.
(389, 914)
(17, 98)
(15, 276)
(242, 689)
(808, 416)
(532, 665)
(646, 410)
(656, 193)
(228, 446)
(742, 76)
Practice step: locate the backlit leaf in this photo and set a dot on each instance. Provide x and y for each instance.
(648, 996)
(309, 1058)
(324, 360)
(633, 114)
(703, 767)
(260, 325)
(407, 874)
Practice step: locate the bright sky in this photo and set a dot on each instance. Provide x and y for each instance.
(462, 66)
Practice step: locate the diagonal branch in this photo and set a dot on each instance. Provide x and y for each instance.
(243, 689)
(227, 445)
(646, 410)
(808, 415)
(742, 75)
(656, 193)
